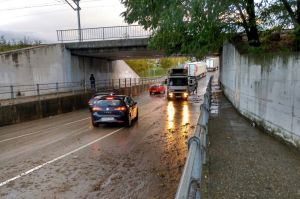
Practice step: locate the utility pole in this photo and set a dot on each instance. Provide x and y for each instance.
(77, 8)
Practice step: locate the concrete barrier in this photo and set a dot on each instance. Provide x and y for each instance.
(16, 113)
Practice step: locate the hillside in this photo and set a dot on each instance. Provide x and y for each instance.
(154, 67)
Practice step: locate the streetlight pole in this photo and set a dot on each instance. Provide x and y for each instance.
(78, 19)
(78, 16)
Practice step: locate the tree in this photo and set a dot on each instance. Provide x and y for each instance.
(193, 27)
(283, 14)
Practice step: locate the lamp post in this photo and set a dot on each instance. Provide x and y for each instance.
(77, 8)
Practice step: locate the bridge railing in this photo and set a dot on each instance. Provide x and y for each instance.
(189, 186)
(22, 91)
(102, 33)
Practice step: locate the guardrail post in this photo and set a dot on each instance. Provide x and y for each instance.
(12, 92)
(103, 33)
(56, 85)
(130, 85)
(38, 89)
(119, 83)
(125, 83)
(112, 83)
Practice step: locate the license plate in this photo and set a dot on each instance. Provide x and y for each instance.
(105, 119)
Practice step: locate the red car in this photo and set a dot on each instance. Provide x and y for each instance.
(157, 88)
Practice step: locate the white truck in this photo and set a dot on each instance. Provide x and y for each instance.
(196, 69)
(177, 84)
(212, 63)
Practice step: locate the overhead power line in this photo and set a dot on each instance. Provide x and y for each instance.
(59, 3)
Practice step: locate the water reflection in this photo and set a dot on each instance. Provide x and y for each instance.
(171, 114)
(185, 114)
(178, 112)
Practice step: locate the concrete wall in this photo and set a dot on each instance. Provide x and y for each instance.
(266, 89)
(121, 70)
(16, 113)
(35, 65)
(83, 67)
(51, 64)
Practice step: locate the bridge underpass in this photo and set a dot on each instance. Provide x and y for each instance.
(65, 157)
(115, 49)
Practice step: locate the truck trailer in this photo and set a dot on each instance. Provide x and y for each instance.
(212, 63)
(196, 69)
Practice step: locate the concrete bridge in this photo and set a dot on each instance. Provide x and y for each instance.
(114, 49)
(110, 43)
(99, 51)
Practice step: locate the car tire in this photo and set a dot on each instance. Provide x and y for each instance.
(95, 124)
(128, 121)
(137, 115)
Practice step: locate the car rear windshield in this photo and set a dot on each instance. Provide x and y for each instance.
(111, 103)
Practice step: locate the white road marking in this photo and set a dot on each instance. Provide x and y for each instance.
(58, 158)
(40, 131)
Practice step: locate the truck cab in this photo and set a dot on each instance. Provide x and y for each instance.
(177, 84)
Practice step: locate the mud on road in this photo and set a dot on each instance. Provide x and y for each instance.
(144, 161)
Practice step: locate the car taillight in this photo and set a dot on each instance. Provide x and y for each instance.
(95, 109)
(120, 108)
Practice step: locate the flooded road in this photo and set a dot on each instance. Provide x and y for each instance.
(65, 157)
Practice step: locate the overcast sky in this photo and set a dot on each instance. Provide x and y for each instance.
(39, 19)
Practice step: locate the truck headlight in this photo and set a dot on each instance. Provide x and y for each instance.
(170, 94)
(185, 95)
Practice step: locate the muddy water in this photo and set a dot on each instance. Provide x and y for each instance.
(144, 161)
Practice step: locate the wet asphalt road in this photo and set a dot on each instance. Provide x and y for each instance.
(65, 157)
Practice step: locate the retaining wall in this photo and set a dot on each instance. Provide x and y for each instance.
(16, 113)
(50, 64)
(266, 89)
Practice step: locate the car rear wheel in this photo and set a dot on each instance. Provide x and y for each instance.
(137, 115)
(128, 121)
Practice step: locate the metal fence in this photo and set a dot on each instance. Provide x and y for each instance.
(189, 186)
(102, 33)
(22, 91)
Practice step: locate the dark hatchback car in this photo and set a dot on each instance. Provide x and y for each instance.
(114, 109)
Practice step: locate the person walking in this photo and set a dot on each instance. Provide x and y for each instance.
(196, 86)
(92, 80)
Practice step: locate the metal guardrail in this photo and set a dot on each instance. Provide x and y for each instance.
(102, 33)
(189, 186)
(21, 91)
